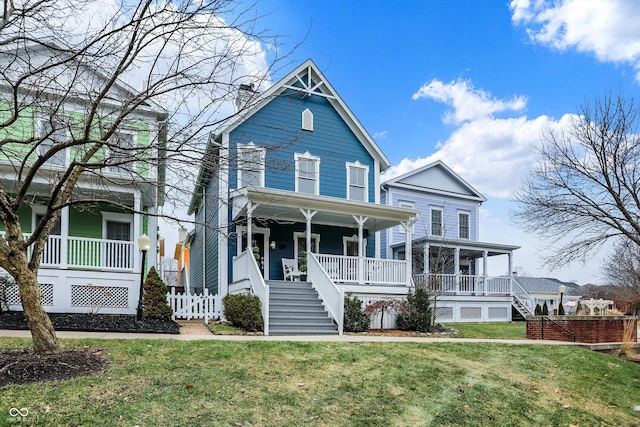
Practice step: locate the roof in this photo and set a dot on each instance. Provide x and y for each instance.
(546, 285)
(306, 78)
(437, 178)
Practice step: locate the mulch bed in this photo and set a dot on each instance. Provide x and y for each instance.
(25, 366)
(94, 323)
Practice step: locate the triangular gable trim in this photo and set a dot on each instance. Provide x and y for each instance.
(397, 181)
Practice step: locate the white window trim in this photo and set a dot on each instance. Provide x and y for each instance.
(468, 214)
(303, 235)
(307, 156)
(307, 120)
(42, 210)
(358, 165)
(354, 238)
(41, 118)
(441, 210)
(250, 147)
(128, 166)
(117, 217)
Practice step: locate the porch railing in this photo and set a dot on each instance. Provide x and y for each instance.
(374, 271)
(80, 252)
(332, 296)
(459, 284)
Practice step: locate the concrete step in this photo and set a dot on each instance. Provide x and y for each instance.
(303, 331)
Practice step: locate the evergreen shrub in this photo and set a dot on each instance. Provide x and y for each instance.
(154, 298)
(243, 311)
(415, 314)
(355, 319)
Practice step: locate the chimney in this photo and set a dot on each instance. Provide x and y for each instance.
(245, 93)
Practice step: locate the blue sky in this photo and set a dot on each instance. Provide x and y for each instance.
(470, 83)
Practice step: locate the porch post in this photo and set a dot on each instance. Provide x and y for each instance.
(308, 215)
(456, 267)
(425, 265)
(484, 263)
(408, 256)
(64, 238)
(360, 220)
(137, 227)
(250, 209)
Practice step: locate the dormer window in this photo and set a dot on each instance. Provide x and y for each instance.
(307, 120)
(250, 165)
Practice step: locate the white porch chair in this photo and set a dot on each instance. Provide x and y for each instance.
(290, 269)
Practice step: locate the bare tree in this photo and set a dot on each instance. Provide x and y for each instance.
(585, 189)
(74, 75)
(622, 270)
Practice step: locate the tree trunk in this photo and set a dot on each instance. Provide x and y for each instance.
(42, 331)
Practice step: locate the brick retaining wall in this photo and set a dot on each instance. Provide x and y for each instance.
(588, 329)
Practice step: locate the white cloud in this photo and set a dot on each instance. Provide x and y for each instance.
(608, 29)
(468, 103)
(492, 154)
(380, 135)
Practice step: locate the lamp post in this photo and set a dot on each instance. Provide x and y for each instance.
(562, 289)
(144, 243)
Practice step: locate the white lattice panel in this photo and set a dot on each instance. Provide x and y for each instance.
(99, 296)
(46, 289)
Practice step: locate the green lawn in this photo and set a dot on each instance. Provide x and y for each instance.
(511, 331)
(264, 383)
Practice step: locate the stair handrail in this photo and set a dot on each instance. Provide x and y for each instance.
(522, 297)
(246, 262)
(575, 338)
(332, 296)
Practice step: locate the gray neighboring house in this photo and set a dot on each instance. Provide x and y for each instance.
(545, 289)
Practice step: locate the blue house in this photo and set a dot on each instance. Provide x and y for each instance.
(290, 189)
(447, 256)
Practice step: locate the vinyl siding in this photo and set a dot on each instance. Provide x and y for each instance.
(277, 126)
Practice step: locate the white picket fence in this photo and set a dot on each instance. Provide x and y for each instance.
(193, 306)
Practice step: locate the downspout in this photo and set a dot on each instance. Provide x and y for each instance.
(204, 239)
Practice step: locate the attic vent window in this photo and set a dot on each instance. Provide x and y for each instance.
(307, 120)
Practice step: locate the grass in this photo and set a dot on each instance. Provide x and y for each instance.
(223, 328)
(265, 383)
(502, 330)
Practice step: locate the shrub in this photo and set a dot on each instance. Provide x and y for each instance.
(545, 309)
(415, 313)
(382, 306)
(355, 319)
(538, 310)
(243, 311)
(154, 298)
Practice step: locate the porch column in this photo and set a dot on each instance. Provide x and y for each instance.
(408, 255)
(137, 227)
(308, 216)
(510, 264)
(250, 208)
(360, 221)
(425, 265)
(484, 263)
(64, 237)
(456, 267)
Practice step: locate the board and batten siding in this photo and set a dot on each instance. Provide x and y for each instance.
(278, 126)
(450, 209)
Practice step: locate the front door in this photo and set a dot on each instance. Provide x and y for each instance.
(259, 244)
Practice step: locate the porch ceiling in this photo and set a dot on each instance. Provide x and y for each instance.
(285, 206)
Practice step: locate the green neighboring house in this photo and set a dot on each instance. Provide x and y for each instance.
(91, 261)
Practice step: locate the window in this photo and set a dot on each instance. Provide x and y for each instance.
(463, 225)
(117, 230)
(357, 188)
(54, 130)
(120, 152)
(307, 173)
(250, 165)
(350, 245)
(410, 205)
(300, 244)
(57, 229)
(436, 222)
(307, 120)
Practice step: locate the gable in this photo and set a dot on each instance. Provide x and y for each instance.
(436, 178)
